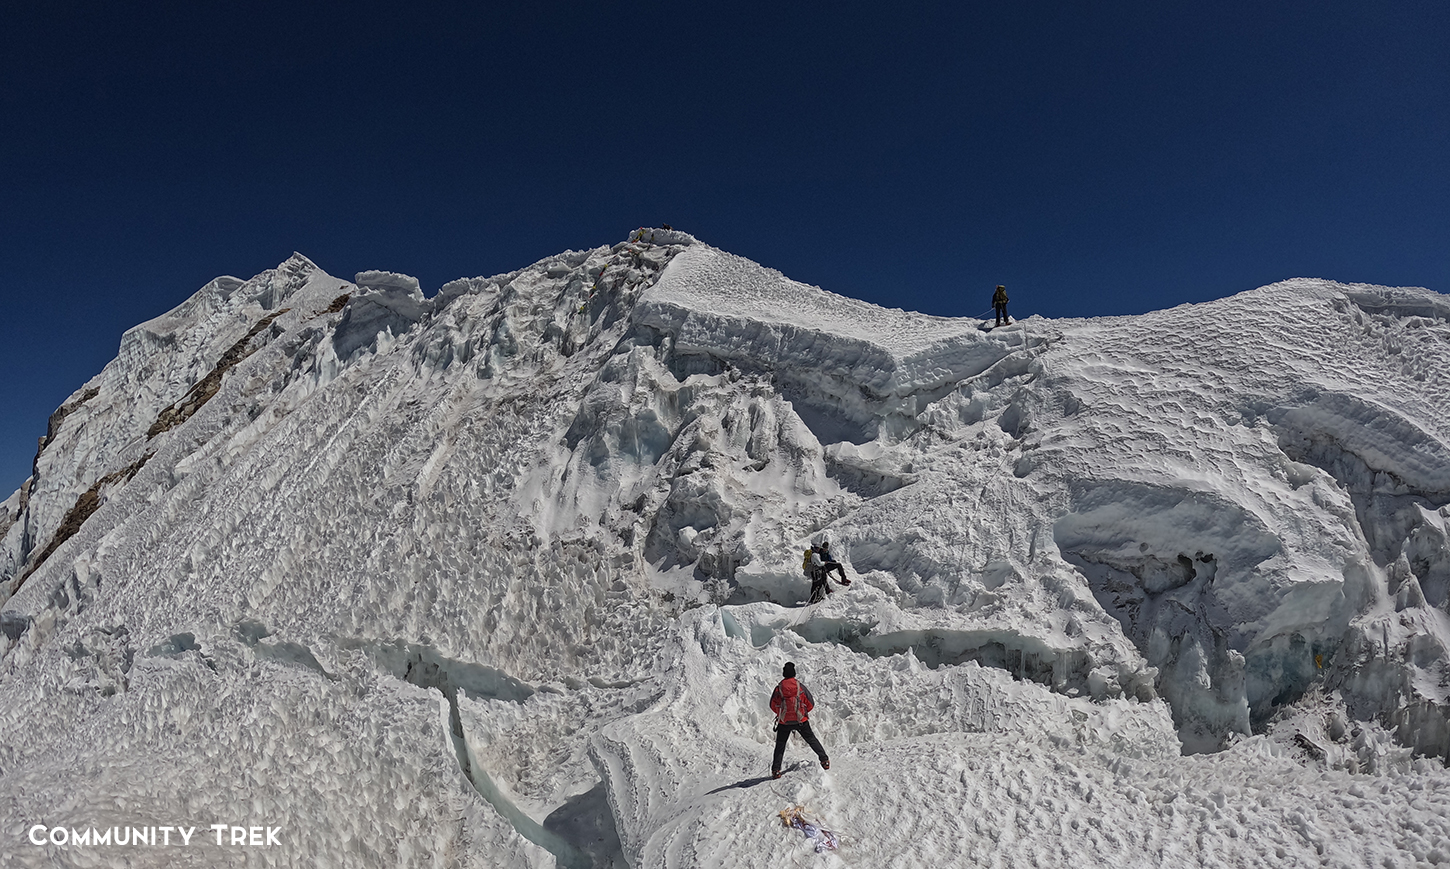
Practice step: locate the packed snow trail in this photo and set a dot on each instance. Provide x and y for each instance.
(1158, 590)
(966, 766)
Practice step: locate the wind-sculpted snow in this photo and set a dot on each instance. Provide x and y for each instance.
(504, 576)
(384, 310)
(1382, 438)
(729, 307)
(964, 766)
(840, 357)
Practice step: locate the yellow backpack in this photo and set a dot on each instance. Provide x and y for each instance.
(806, 562)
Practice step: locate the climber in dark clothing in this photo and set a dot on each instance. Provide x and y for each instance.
(824, 564)
(791, 702)
(819, 586)
(999, 303)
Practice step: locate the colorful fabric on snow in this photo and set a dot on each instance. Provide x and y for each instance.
(824, 839)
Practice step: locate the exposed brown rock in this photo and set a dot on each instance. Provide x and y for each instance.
(179, 412)
(66, 410)
(86, 504)
(7, 518)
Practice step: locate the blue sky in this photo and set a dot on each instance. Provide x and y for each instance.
(1103, 158)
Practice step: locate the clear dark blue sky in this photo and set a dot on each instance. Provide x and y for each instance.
(1097, 158)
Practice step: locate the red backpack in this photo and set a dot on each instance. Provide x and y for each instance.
(791, 702)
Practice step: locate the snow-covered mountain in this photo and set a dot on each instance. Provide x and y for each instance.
(505, 576)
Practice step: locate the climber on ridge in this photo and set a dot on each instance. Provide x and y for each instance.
(823, 563)
(819, 587)
(999, 302)
(791, 702)
(817, 565)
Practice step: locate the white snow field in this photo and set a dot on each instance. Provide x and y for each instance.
(504, 578)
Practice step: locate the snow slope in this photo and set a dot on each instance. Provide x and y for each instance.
(504, 577)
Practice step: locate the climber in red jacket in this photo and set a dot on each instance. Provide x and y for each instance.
(791, 702)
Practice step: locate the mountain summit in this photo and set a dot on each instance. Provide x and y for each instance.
(505, 576)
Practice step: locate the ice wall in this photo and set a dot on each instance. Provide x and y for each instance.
(535, 517)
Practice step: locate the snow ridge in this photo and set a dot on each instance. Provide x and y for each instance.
(503, 576)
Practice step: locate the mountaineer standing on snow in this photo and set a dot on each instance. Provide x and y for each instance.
(791, 702)
(999, 302)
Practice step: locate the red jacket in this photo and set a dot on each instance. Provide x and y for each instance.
(790, 701)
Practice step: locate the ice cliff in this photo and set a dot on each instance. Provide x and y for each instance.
(503, 576)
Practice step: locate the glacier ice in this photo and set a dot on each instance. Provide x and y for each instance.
(503, 576)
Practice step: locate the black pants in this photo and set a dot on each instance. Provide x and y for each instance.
(819, 588)
(783, 732)
(1002, 313)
